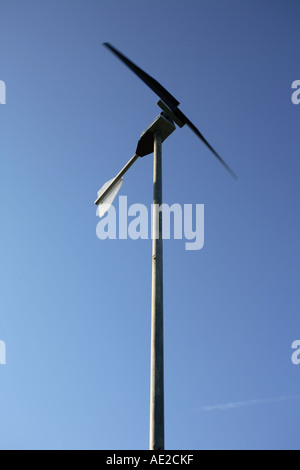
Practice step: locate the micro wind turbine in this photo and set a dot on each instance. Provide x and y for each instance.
(151, 142)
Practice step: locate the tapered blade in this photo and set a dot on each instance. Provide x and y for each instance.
(184, 119)
(150, 81)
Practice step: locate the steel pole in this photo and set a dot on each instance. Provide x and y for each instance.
(157, 337)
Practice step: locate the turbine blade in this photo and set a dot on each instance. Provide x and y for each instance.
(168, 99)
(184, 119)
(150, 81)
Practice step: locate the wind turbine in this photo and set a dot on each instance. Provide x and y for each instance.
(151, 142)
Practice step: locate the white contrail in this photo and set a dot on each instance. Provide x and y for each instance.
(244, 404)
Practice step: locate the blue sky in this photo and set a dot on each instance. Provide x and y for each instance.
(75, 311)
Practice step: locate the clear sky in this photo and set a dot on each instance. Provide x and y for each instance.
(75, 310)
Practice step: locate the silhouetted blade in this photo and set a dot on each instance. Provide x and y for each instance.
(168, 99)
(184, 119)
(151, 82)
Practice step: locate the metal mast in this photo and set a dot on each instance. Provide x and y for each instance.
(157, 440)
